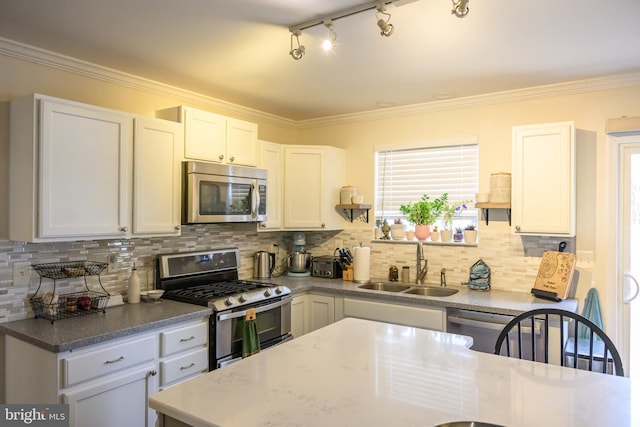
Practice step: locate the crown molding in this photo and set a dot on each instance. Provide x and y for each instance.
(57, 61)
(536, 92)
(54, 60)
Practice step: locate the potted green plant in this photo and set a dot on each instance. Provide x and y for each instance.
(470, 233)
(424, 213)
(435, 234)
(458, 234)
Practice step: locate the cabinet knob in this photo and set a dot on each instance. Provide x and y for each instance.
(221, 157)
(517, 228)
(177, 227)
(152, 373)
(124, 229)
(231, 159)
(323, 225)
(263, 225)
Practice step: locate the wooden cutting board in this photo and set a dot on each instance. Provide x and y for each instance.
(555, 274)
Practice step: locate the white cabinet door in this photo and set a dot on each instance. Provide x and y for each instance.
(544, 179)
(118, 401)
(271, 160)
(85, 171)
(321, 311)
(157, 154)
(299, 316)
(205, 135)
(313, 177)
(242, 143)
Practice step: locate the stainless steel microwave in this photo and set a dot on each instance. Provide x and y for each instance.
(223, 193)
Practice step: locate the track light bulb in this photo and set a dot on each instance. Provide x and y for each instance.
(296, 52)
(330, 43)
(386, 29)
(460, 8)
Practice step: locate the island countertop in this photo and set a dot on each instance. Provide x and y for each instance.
(357, 372)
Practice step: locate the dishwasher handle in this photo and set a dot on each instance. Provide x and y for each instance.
(488, 325)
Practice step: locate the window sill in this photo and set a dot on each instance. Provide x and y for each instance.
(427, 243)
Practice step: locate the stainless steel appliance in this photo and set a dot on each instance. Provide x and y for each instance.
(263, 264)
(328, 267)
(299, 260)
(210, 278)
(222, 193)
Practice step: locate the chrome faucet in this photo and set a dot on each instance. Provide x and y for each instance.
(443, 277)
(421, 268)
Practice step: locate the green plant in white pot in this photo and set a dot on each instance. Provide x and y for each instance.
(424, 213)
(470, 233)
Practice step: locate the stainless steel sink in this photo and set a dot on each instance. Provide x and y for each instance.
(433, 292)
(383, 286)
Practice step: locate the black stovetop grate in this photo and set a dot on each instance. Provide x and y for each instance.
(202, 294)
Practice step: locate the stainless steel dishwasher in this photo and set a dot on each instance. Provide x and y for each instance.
(483, 327)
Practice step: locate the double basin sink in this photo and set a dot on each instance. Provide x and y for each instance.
(430, 291)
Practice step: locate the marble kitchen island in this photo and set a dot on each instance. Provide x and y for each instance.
(362, 373)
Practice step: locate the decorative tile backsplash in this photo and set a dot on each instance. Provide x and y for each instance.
(514, 260)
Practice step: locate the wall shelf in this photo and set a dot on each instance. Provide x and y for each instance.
(486, 206)
(348, 211)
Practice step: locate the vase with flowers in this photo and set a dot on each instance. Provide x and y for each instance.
(458, 235)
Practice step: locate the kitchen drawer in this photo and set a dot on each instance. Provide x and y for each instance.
(184, 338)
(105, 361)
(183, 366)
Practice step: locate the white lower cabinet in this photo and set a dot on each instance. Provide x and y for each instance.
(120, 400)
(420, 317)
(310, 312)
(107, 384)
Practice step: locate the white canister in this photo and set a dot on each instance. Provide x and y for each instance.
(346, 193)
(500, 187)
(361, 264)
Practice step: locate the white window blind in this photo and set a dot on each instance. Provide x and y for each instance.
(404, 175)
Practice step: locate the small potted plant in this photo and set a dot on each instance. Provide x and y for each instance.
(458, 235)
(470, 233)
(424, 213)
(435, 234)
(397, 230)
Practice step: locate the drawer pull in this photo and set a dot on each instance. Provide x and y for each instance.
(119, 359)
(182, 368)
(187, 339)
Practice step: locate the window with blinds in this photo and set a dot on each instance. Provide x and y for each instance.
(404, 175)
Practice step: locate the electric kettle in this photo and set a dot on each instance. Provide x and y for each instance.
(263, 264)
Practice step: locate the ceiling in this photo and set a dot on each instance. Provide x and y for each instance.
(238, 50)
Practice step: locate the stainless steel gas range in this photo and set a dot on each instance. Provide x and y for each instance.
(210, 278)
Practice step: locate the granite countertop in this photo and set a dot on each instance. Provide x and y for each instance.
(117, 322)
(493, 301)
(362, 373)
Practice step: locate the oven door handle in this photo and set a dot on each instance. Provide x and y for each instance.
(243, 313)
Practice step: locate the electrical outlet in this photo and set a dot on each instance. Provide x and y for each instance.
(21, 273)
(112, 261)
(585, 257)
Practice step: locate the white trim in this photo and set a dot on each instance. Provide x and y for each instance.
(58, 61)
(444, 142)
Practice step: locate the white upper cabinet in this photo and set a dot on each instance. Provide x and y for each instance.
(215, 138)
(72, 175)
(271, 159)
(157, 154)
(313, 176)
(543, 194)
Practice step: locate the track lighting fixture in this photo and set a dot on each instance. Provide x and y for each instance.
(329, 43)
(386, 29)
(460, 8)
(297, 52)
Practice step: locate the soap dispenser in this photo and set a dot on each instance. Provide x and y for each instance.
(133, 291)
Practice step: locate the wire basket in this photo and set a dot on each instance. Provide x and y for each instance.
(55, 307)
(73, 304)
(65, 270)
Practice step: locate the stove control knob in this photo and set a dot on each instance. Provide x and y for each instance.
(230, 301)
(267, 293)
(278, 290)
(243, 298)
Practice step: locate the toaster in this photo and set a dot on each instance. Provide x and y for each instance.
(326, 266)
